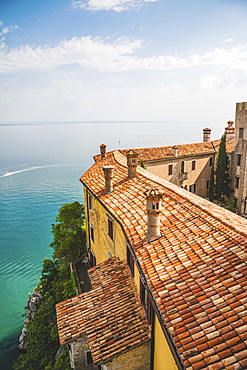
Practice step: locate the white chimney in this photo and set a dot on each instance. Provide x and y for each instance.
(132, 162)
(103, 150)
(175, 150)
(154, 207)
(229, 130)
(206, 134)
(108, 173)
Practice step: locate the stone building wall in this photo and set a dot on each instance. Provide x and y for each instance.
(135, 359)
(239, 164)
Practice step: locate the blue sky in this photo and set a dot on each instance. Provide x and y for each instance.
(167, 60)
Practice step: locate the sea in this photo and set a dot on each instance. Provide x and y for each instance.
(40, 167)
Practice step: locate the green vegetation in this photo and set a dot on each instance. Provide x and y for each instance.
(219, 187)
(57, 284)
(222, 179)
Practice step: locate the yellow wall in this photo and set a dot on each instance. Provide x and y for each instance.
(163, 359)
(98, 218)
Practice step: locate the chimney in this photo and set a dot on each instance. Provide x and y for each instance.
(154, 207)
(229, 130)
(108, 173)
(132, 161)
(175, 150)
(206, 134)
(103, 150)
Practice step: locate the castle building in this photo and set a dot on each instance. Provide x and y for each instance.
(239, 159)
(186, 256)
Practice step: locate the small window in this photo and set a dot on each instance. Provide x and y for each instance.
(130, 262)
(91, 232)
(210, 161)
(238, 159)
(208, 184)
(192, 188)
(193, 165)
(88, 358)
(146, 302)
(110, 228)
(182, 167)
(236, 182)
(241, 132)
(90, 202)
(170, 168)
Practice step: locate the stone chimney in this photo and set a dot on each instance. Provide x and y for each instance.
(206, 134)
(154, 207)
(103, 150)
(132, 162)
(108, 173)
(229, 130)
(175, 150)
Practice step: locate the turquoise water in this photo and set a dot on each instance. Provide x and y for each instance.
(40, 166)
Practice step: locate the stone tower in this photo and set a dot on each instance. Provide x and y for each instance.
(239, 160)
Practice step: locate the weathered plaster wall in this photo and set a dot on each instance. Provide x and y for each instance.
(198, 176)
(103, 246)
(135, 359)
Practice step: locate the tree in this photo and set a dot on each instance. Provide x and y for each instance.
(69, 233)
(211, 185)
(222, 179)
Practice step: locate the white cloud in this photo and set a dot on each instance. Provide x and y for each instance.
(116, 5)
(228, 40)
(8, 29)
(100, 54)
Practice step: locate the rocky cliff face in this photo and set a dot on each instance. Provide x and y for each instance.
(33, 304)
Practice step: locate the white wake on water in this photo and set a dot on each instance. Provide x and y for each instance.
(37, 168)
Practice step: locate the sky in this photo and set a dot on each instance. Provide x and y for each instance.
(124, 60)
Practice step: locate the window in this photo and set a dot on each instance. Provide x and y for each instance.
(210, 161)
(236, 182)
(192, 188)
(90, 202)
(182, 167)
(241, 132)
(88, 358)
(110, 228)
(238, 159)
(170, 168)
(208, 184)
(130, 262)
(92, 258)
(91, 232)
(193, 165)
(146, 302)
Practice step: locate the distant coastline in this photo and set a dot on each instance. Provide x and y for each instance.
(41, 123)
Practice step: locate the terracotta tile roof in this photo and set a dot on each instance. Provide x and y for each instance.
(110, 315)
(197, 269)
(164, 152)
